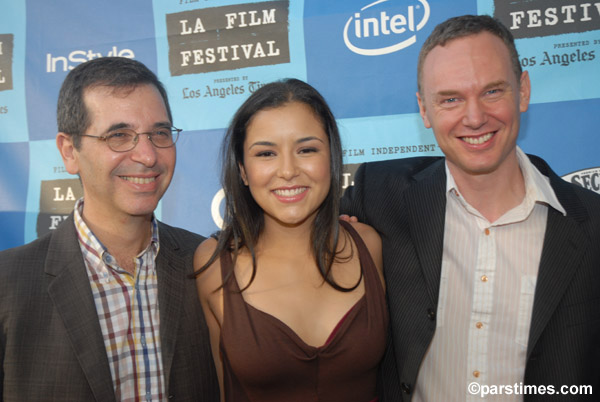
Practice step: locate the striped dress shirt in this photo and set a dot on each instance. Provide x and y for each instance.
(127, 307)
(488, 278)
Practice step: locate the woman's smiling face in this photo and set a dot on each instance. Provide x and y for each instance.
(287, 163)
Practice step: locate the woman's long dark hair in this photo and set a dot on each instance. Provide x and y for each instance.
(243, 219)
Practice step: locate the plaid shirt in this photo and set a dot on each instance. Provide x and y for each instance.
(127, 307)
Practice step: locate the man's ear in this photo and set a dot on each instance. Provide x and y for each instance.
(422, 111)
(243, 174)
(524, 92)
(68, 152)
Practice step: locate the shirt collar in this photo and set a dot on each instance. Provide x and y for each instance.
(537, 186)
(94, 245)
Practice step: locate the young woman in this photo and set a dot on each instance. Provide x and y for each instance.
(294, 299)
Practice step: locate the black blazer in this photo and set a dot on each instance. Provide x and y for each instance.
(405, 201)
(51, 342)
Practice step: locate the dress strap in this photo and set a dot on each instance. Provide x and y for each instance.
(360, 244)
(227, 273)
(368, 268)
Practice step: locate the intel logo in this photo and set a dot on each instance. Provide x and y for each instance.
(373, 32)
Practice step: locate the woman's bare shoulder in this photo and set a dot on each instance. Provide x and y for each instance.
(373, 242)
(209, 279)
(204, 251)
(366, 232)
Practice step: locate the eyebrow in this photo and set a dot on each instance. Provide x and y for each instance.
(451, 92)
(499, 83)
(446, 93)
(299, 141)
(118, 126)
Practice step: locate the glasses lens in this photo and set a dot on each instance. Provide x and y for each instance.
(121, 140)
(164, 137)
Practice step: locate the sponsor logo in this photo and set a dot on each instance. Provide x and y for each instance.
(57, 199)
(76, 57)
(532, 18)
(228, 38)
(586, 178)
(375, 30)
(6, 58)
(216, 207)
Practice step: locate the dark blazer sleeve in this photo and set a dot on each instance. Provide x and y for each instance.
(564, 338)
(50, 338)
(185, 342)
(52, 347)
(381, 185)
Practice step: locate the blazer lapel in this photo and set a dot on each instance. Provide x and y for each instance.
(171, 287)
(426, 204)
(71, 294)
(564, 246)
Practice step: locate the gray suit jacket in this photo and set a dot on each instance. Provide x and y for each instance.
(405, 201)
(51, 342)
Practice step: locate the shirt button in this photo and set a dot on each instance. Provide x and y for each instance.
(487, 231)
(479, 325)
(484, 278)
(431, 314)
(476, 374)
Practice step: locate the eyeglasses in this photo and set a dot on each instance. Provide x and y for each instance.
(125, 139)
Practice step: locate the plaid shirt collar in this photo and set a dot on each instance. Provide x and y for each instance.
(93, 248)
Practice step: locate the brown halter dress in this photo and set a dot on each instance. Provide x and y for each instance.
(265, 360)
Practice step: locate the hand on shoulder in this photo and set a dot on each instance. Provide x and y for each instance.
(348, 218)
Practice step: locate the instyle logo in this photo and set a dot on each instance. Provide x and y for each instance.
(587, 178)
(56, 63)
(375, 31)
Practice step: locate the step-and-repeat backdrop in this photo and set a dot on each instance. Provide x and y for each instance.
(211, 54)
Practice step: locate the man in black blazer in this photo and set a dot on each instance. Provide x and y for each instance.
(102, 308)
(492, 261)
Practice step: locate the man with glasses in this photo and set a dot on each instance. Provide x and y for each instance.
(101, 309)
